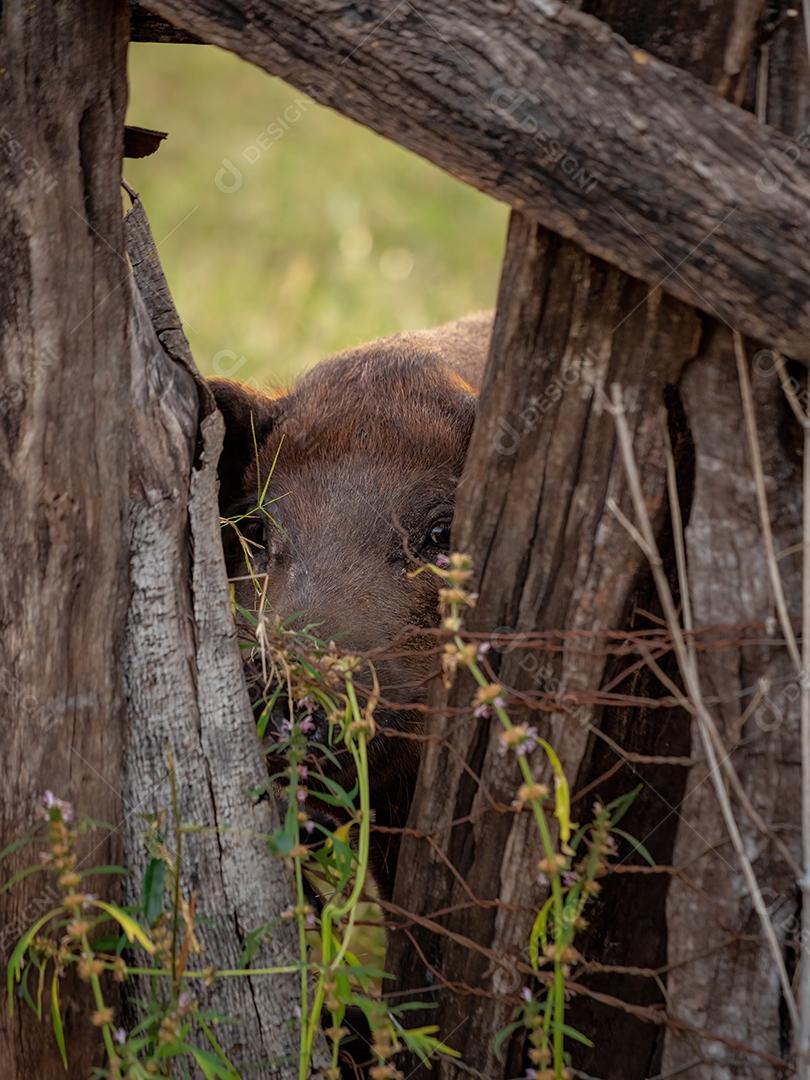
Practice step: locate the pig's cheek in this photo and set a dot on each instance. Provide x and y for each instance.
(247, 592)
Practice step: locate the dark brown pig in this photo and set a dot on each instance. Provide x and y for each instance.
(374, 442)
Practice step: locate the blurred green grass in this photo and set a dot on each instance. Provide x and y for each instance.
(332, 237)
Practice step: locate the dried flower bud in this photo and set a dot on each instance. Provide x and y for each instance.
(552, 866)
(540, 1055)
(485, 695)
(530, 792)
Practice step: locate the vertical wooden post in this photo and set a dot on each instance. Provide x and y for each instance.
(64, 398)
(549, 555)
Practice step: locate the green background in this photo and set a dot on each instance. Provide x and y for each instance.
(332, 236)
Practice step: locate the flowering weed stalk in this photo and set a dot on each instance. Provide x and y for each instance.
(570, 883)
(325, 724)
(151, 941)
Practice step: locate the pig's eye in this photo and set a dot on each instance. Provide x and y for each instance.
(253, 530)
(439, 535)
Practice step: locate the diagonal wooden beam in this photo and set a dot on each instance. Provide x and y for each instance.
(144, 26)
(548, 109)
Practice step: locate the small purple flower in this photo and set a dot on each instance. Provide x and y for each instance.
(570, 878)
(309, 827)
(184, 1000)
(50, 802)
(542, 880)
(483, 649)
(120, 1036)
(442, 560)
(285, 728)
(307, 704)
(297, 1011)
(482, 712)
(526, 994)
(303, 772)
(311, 921)
(301, 795)
(527, 743)
(531, 1074)
(88, 900)
(307, 725)
(499, 703)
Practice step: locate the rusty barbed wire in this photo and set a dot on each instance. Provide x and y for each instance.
(633, 649)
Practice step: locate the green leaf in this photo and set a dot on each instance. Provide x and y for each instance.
(212, 1039)
(538, 933)
(41, 987)
(127, 924)
(248, 616)
(25, 993)
(264, 718)
(21, 875)
(14, 970)
(330, 800)
(154, 880)
(210, 1066)
(562, 795)
(421, 1041)
(56, 1020)
(253, 942)
(109, 943)
(577, 1036)
(325, 751)
(412, 1006)
(619, 807)
(15, 845)
(636, 845)
(503, 1035)
(343, 986)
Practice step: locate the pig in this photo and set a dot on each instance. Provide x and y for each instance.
(368, 448)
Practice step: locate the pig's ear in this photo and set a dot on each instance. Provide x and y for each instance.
(246, 413)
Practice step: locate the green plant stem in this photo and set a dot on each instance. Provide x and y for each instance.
(550, 852)
(223, 973)
(305, 1041)
(334, 911)
(178, 839)
(98, 996)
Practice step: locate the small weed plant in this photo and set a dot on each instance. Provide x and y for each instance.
(573, 858)
(315, 727)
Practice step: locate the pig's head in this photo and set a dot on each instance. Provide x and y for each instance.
(364, 457)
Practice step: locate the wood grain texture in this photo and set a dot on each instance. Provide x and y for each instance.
(64, 389)
(185, 687)
(723, 977)
(545, 107)
(148, 27)
(533, 515)
(549, 555)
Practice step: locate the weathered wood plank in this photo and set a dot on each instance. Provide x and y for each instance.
(185, 687)
(733, 986)
(548, 555)
(533, 515)
(545, 107)
(147, 27)
(64, 392)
